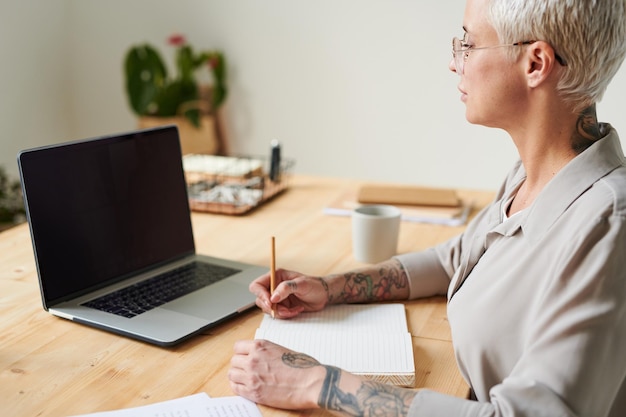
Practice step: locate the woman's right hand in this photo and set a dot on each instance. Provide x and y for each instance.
(294, 293)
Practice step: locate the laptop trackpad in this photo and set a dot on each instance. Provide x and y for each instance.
(214, 302)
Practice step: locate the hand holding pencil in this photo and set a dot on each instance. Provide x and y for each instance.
(285, 294)
(273, 275)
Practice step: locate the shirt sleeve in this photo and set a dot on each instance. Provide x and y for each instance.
(429, 403)
(427, 276)
(434, 404)
(430, 271)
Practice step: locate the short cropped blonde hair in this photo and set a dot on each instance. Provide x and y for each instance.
(589, 35)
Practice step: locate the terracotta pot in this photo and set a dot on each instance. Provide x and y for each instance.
(192, 139)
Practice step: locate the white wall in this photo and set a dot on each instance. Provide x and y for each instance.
(353, 88)
(34, 83)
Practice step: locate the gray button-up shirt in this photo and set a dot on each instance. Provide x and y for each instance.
(537, 302)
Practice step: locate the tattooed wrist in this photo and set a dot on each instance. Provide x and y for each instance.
(332, 398)
(371, 399)
(326, 288)
(329, 388)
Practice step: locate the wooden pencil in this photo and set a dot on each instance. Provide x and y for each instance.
(273, 275)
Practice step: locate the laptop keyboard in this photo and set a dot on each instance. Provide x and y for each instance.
(146, 295)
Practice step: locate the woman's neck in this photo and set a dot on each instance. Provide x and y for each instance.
(547, 146)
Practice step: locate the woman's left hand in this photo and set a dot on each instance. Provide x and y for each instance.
(269, 374)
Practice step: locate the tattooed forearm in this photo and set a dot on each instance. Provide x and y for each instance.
(371, 399)
(588, 130)
(358, 287)
(386, 283)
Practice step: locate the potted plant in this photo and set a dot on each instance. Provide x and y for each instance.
(159, 97)
(11, 201)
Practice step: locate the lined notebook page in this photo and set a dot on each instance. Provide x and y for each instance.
(370, 340)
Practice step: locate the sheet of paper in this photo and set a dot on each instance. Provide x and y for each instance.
(447, 216)
(197, 405)
(363, 339)
(380, 353)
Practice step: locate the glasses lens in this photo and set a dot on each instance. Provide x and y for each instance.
(457, 53)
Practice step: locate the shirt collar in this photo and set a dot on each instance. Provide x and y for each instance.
(569, 183)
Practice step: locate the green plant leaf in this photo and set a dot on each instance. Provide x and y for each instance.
(184, 61)
(176, 94)
(145, 76)
(151, 92)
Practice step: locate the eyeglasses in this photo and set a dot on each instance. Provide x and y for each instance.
(461, 51)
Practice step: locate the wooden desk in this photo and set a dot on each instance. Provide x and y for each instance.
(53, 367)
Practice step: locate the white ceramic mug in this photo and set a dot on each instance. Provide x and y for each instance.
(375, 230)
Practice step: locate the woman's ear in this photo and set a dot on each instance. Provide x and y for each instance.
(541, 61)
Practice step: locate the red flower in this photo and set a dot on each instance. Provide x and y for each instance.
(176, 40)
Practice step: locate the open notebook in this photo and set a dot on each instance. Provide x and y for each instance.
(365, 339)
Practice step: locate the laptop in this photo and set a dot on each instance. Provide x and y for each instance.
(109, 220)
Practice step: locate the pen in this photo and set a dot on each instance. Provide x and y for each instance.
(275, 161)
(273, 276)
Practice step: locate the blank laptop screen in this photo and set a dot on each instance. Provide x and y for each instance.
(102, 209)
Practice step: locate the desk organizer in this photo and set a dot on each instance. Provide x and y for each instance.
(232, 184)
